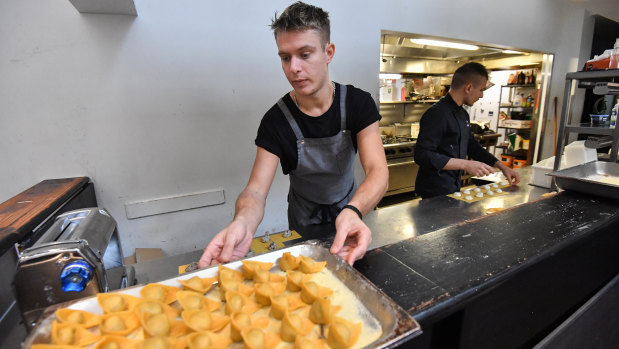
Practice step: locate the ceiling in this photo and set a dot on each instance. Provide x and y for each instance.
(400, 45)
(400, 55)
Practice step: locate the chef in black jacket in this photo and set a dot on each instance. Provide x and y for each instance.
(445, 139)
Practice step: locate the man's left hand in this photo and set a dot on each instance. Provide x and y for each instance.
(510, 174)
(352, 237)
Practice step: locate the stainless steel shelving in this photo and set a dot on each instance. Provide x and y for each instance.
(585, 79)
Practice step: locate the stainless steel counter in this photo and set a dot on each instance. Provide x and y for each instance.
(413, 218)
(389, 224)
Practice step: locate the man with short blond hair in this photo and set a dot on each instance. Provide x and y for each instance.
(313, 132)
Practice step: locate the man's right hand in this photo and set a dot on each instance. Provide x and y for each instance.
(233, 242)
(477, 168)
(230, 244)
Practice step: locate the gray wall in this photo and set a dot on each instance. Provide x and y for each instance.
(167, 103)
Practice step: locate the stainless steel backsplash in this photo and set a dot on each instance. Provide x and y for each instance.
(404, 113)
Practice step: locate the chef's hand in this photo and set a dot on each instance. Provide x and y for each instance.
(477, 168)
(510, 174)
(352, 237)
(229, 244)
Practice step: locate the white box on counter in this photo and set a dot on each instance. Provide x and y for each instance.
(539, 171)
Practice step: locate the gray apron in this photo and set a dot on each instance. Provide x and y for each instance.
(324, 180)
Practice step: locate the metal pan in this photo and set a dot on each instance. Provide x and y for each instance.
(596, 178)
(396, 325)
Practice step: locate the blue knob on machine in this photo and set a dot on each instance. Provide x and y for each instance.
(75, 276)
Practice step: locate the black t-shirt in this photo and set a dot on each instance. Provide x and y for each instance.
(276, 136)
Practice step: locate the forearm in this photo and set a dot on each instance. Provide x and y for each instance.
(501, 166)
(455, 164)
(249, 209)
(371, 190)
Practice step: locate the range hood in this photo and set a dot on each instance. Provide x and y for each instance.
(401, 55)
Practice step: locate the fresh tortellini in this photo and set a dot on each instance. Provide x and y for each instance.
(343, 334)
(154, 307)
(238, 302)
(294, 325)
(250, 267)
(226, 273)
(262, 276)
(159, 325)
(116, 342)
(207, 340)
(158, 292)
(322, 311)
(283, 303)
(258, 338)
(116, 302)
(295, 279)
(226, 285)
(120, 324)
(309, 266)
(78, 317)
(198, 284)
(163, 342)
(265, 290)
(288, 262)
(71, 334)
(204, 320)
(310, 291)
(239, 321)
(258, 306)
(189, 300)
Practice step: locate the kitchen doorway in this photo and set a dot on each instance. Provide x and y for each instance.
(416, 69)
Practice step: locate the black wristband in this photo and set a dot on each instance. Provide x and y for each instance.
(354, 209)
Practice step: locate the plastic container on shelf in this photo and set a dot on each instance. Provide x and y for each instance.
(613, 115)
(518, 163)
(508, 160)
(577, 154)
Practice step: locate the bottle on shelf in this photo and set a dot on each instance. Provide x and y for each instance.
(614, 56)
(613, 115)
(518, 100)
(520, 78)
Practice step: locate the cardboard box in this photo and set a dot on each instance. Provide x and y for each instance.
(516, 123)
(144, 254)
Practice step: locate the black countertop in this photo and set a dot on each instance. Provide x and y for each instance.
(535, 260)
(457, 262)
(462, 271)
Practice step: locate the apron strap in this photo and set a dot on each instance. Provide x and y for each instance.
(343, 107)
(291, 120)
(329, 212)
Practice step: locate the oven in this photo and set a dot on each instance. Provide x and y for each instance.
(401, 165)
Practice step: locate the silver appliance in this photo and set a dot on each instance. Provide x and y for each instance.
(399, 152)
(78, 256)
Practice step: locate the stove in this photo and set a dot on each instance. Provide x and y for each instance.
(401, 164)
(399, 150)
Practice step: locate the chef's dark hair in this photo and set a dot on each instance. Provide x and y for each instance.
(301, 16)
(468, 73)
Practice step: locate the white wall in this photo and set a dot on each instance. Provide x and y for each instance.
(168, 102)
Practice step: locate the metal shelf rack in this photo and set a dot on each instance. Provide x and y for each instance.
(512, 89)
(592, 80)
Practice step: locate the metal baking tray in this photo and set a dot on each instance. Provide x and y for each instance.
(397, 326)
(586, 178)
